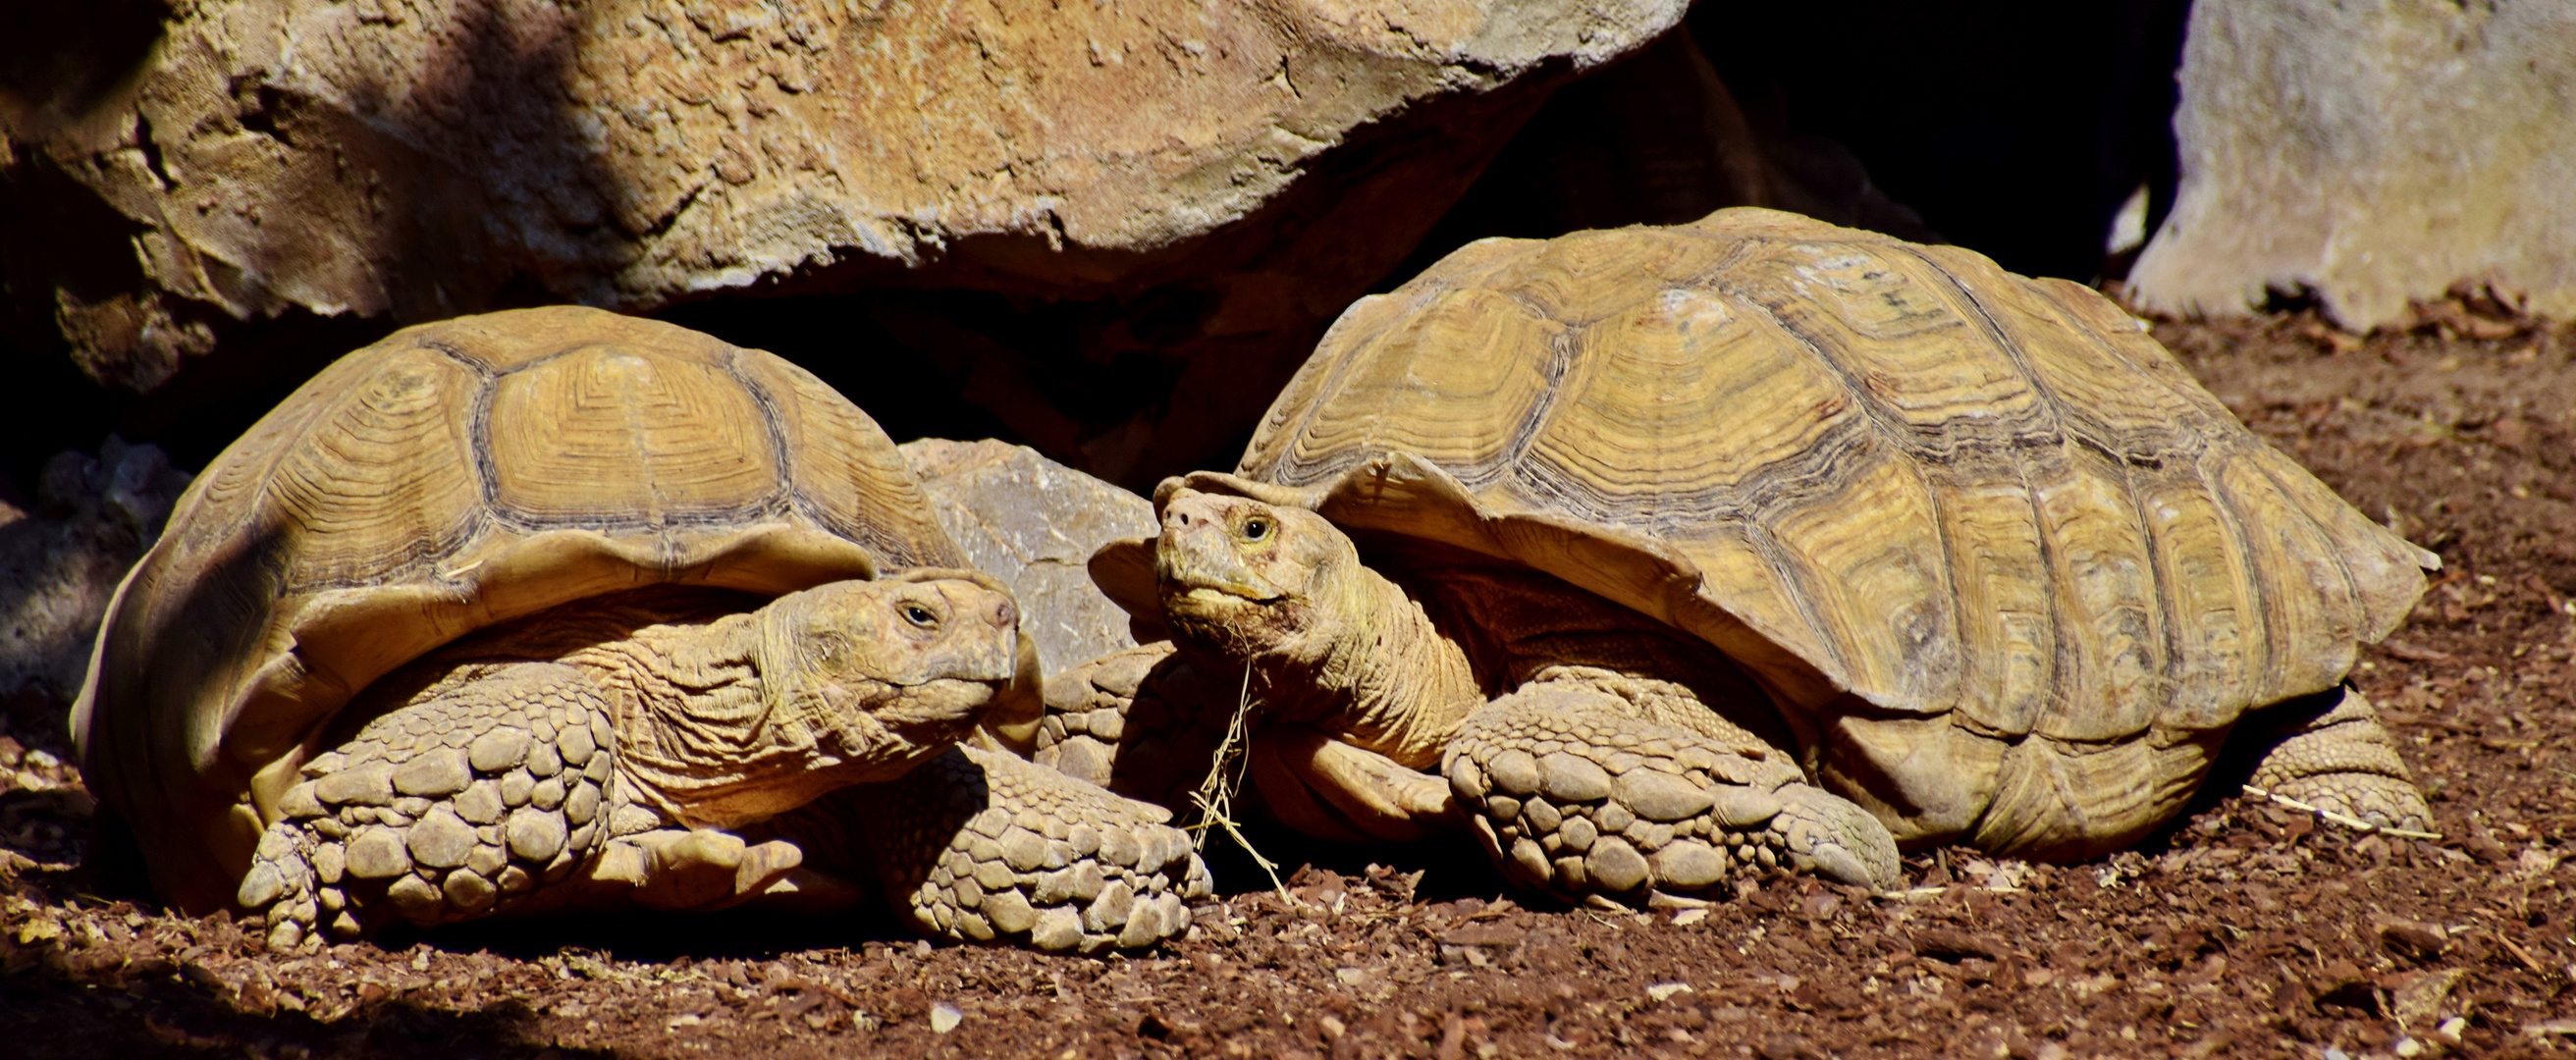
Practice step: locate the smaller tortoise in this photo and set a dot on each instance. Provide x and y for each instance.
(1681, 552)
(555, 607)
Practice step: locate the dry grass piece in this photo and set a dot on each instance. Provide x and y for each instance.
(1215, 797)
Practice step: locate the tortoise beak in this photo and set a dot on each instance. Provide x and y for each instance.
(1197, 562)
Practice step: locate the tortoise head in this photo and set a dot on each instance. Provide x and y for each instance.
(895, 669)
(1253, 580)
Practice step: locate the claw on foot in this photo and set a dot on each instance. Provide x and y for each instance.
(1826, 834)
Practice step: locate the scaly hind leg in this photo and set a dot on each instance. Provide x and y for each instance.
(2341, 761)
(1577, 791)
(985, 846)
(491, 783)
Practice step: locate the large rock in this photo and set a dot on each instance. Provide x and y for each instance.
(60, 564)
(420, 159)
(1034, 523)
(2371, 152)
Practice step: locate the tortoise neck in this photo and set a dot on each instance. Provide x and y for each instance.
(703, 737)
(1390, 681)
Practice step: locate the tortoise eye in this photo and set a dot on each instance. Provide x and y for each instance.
(919, 616)
(1256, 528)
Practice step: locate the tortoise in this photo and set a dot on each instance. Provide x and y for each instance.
(555, 607)
(1659, 555)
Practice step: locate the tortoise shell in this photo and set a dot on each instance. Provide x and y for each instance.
(454, 476)
(1895, 482)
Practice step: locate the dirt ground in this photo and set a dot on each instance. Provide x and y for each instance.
(2247, 930)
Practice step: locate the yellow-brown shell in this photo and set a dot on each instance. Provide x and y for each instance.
(1858, 465)
(453, 476)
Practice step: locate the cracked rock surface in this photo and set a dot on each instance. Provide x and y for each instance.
(420, 159)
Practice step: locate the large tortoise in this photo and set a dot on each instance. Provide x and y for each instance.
(557, 607)
(1679, 551)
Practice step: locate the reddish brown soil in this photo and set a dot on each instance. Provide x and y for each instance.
(2246, 931)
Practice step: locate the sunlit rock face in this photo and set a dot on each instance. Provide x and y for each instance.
(2371, 154)
(1243, 169)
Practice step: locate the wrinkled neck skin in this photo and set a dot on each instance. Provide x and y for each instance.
(1384, 678)
(708, 742)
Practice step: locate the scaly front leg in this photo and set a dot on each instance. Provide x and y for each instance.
(1575, 793)
(980, 845)
(492, 783)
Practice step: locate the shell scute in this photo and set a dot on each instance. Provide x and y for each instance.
(2218, 639)
(844, 474)
(2312, 621)
(388, 480)
(1651, 431)
(2108, 609)
(2009, 637)
(1903, 339)
(1862, 560)
(1469, 409)
(605, 435)
(1567, 287)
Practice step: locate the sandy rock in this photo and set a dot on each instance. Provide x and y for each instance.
(60, 563)
(2373, 153)
(1257, 165)
(1034, 523)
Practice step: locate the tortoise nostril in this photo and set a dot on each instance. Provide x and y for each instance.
(1006, 614)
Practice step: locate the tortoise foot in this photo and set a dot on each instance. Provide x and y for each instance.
(1826, 834)
(284, 885)
(1087, 708)
(441, 810)
(1574, 795)
(982, 846)
(2373, 799)
(2343, 762)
